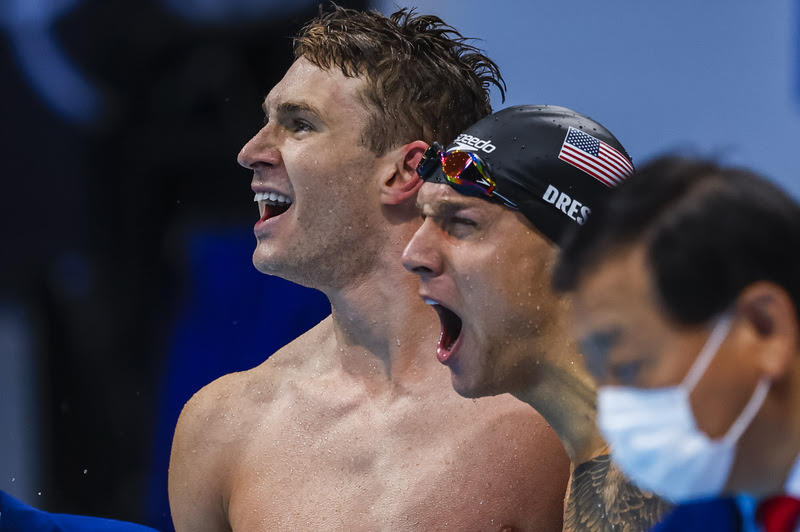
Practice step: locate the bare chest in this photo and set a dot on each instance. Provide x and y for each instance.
(346, 467)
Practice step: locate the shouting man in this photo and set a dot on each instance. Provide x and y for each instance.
(352, 426)
(496, 204)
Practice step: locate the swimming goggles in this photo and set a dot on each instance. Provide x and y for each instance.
(462, 170)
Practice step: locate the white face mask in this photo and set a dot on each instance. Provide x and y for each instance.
(655, 440)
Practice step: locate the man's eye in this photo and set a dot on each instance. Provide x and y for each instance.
(463, 221)
(461, 228)
(302, 125)
(626, 372)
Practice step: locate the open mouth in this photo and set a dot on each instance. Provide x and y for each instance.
(451, 331)
(272, 203)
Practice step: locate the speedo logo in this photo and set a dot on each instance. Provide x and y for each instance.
(468, 141)
(569, 206)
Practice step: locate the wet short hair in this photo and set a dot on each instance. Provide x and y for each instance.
(423, 80)
(708, 232)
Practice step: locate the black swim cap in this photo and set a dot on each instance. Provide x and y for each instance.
(554, 163)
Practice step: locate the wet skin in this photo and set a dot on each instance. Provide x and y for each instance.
(487, 265)
(354, 425)
(299, 443)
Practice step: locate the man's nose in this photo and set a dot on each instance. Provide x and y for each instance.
(261, 150)
(421, 255)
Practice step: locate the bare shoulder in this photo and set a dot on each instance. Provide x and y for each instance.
(602, 498)
(511, 424)
(206, 441)
(521, 454)
(213, 428)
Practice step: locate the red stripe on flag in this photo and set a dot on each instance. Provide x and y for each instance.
(622, 165)
(598, 165)
(567, 158)
(612, 153)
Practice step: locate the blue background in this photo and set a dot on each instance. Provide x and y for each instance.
(717, 78)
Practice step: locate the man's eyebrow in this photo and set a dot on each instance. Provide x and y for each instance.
(287, 108)
(445, 206)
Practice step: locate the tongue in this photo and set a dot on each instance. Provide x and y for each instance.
(451, 329)
(271, 211)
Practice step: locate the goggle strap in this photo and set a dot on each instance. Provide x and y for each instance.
(505, 200)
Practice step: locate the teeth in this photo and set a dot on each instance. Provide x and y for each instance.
(430, 301)
(273, 197)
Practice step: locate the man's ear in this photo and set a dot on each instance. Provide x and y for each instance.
(403, 183)
(771, 317)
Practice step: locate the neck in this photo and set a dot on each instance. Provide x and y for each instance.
(383, 330)
(769, 448)
(565, 394)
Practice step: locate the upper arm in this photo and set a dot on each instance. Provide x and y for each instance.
(198, 469)
(525, 468)
(541, 468)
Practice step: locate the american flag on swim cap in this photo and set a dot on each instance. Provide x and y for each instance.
(594, 157)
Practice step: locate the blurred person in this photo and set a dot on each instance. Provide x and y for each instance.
(353, 426)
(495, 205)
(686, 291)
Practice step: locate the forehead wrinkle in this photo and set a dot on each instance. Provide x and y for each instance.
(327, 93)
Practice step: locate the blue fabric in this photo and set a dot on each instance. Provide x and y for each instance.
(747, 509)
(709, 515)
(16, 516)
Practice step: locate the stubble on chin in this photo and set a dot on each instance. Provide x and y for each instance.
(325, 263)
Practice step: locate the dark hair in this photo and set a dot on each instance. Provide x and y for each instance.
(708, 231)
(423, 81)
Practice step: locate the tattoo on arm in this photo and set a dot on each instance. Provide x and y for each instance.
(601, 499)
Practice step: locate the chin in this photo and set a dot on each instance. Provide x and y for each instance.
(266, 263)
(470, 389)
(293, 267)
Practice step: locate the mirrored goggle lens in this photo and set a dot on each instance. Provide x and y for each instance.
(466, 169)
